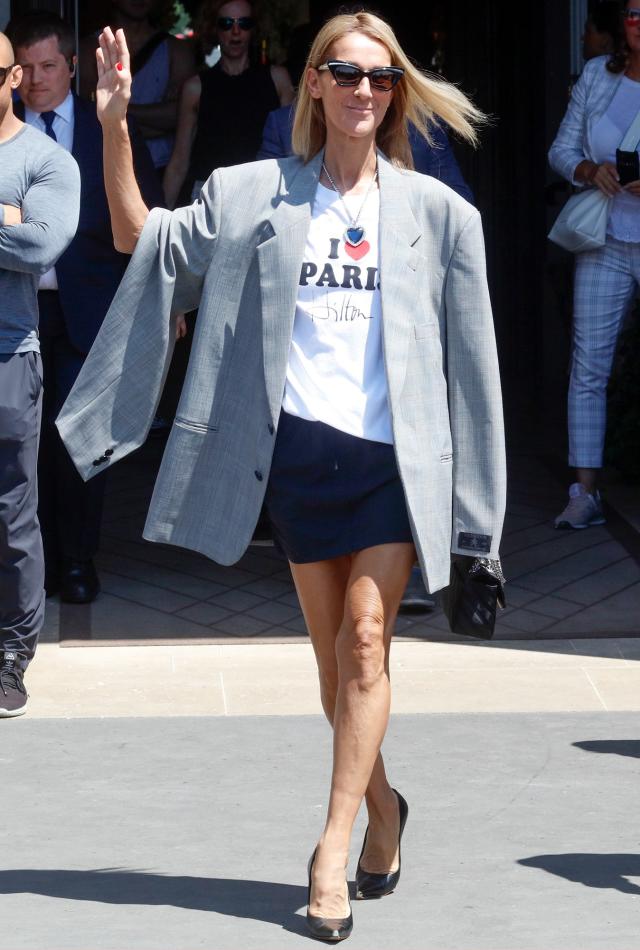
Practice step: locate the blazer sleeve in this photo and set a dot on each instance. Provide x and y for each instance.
(438, 160)
(109, 411)
(567, 149)
(475, 400)
(276, 143)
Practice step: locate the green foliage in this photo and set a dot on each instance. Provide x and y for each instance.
(622, 448)
(182, 20)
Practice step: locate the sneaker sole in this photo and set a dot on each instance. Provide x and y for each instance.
(564, 525)
(12, 713)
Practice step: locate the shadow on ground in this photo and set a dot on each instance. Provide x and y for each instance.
(256, 900)
(630, 747)
(593, 870)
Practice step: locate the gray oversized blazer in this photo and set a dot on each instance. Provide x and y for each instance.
(236, 253)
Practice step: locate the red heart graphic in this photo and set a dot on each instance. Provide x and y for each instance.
(357, 251)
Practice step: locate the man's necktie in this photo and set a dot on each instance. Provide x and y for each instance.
(47, 118)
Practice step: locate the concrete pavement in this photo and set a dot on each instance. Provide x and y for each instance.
(154, 801)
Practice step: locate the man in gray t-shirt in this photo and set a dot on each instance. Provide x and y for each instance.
(39, 206)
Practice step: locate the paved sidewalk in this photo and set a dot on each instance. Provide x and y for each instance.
(560, 584)
(155, 802)
(257, 679)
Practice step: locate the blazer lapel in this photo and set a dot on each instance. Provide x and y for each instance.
(280, 256)
(399, 232)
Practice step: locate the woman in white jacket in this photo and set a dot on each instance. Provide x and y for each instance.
(604, 103)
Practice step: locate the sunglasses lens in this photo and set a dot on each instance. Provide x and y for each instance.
(225, 23)
(346, 75)
(383, 79)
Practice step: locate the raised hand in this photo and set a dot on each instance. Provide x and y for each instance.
(113, 91)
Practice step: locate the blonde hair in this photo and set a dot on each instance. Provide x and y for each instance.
(419, 98)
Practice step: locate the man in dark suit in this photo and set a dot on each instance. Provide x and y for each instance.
(436, 160)
(73, 297)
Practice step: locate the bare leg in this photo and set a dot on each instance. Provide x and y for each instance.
(588, 477)
(322, 590)
(359, 597)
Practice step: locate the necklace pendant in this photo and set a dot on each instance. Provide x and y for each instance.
(354, 236)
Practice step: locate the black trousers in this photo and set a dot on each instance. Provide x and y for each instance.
(69, 509)
(21, 563)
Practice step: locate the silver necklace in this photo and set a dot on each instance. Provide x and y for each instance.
(354, 234)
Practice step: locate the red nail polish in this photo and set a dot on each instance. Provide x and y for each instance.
(119, 66)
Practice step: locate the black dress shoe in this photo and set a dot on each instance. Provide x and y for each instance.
(416, 599)
(331, 929)
(79, 582)
(371, 886)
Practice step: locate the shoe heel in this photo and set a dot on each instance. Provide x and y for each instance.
(371, 886)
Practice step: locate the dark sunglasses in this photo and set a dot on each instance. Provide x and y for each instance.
(4, 72)
(226, 22)
(383, 78)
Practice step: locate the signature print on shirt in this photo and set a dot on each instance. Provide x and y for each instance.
(347, 312)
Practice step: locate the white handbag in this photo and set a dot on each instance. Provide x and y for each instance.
(582, 222)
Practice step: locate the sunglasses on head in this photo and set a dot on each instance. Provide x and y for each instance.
(632, 15)
(383, 78)
(4, 72)
(226, 23)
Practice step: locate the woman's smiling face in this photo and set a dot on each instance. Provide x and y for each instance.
(354, 111)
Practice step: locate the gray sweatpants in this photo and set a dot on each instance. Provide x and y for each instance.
(21, 559)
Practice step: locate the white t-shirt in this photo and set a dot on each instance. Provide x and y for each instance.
(336, 370)
(608, 132)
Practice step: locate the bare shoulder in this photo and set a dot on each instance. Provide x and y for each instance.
(192, 88)
(282, 82)
(182, 52)
(280, 73)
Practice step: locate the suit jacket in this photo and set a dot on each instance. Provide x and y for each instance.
(590, 99)
(90, 270)
(236, 253)
(436, 160)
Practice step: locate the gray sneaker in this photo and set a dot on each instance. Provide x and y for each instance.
(13, 695)
(583, 511)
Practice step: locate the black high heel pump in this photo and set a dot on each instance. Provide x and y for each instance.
(331, 929)
(371, 886)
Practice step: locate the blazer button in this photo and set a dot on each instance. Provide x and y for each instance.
(97, 462)
(109, 453)
(271, 428)
(258, 475)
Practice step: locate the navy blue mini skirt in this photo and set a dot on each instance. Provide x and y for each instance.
(331, 493)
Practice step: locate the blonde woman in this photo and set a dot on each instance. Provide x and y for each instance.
(344, 368)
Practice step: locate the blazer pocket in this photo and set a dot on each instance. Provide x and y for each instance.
(426, 331)
(194, 426)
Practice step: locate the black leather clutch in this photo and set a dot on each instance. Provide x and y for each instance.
(475, 591)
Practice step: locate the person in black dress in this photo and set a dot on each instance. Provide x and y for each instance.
(223, 109)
